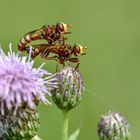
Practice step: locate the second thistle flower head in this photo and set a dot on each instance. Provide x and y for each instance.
(113, 126)
(70, 88)
(23, 126)
(21, 85)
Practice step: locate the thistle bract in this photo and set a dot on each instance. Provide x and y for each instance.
(21, 85)
(24, 126)
(113, 126)
(70, 88)
(6, 122)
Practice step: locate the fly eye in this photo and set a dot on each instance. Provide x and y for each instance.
(60, 27)
(77, 50)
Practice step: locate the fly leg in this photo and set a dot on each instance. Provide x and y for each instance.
(63, 40)
(51, 58)
(57, 65)
(36, 49)
(45, 56)
(33, 53)
(63, 65)
(75, 60)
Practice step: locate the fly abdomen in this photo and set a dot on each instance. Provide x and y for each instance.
(27, 38)
(23, 41)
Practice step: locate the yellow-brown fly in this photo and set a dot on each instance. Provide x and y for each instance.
(63, 52)
(52, 33)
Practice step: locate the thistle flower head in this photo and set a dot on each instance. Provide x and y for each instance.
(70, 88)
(21, 85)
(113, 126)
(22, 126)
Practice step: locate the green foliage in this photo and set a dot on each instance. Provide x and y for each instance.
(74, 135)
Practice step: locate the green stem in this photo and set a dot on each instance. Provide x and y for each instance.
(65, 126)
(36, 138)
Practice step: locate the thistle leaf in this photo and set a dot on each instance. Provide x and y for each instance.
(74, 135)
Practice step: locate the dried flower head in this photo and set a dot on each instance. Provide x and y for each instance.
(113, 126)
(21, 85)
(69, 93)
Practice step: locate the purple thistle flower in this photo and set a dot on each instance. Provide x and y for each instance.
(21, 84)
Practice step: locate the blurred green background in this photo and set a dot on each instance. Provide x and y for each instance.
(111, 69)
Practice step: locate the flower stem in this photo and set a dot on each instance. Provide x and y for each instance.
(65, 125)
(36, 138)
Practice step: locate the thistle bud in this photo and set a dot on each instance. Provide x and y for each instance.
(113, 126)
(70, 88)
(24, 126)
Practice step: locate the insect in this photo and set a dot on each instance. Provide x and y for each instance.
(52, 33)
(63, 52)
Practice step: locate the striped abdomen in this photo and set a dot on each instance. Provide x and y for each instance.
(27, 38)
